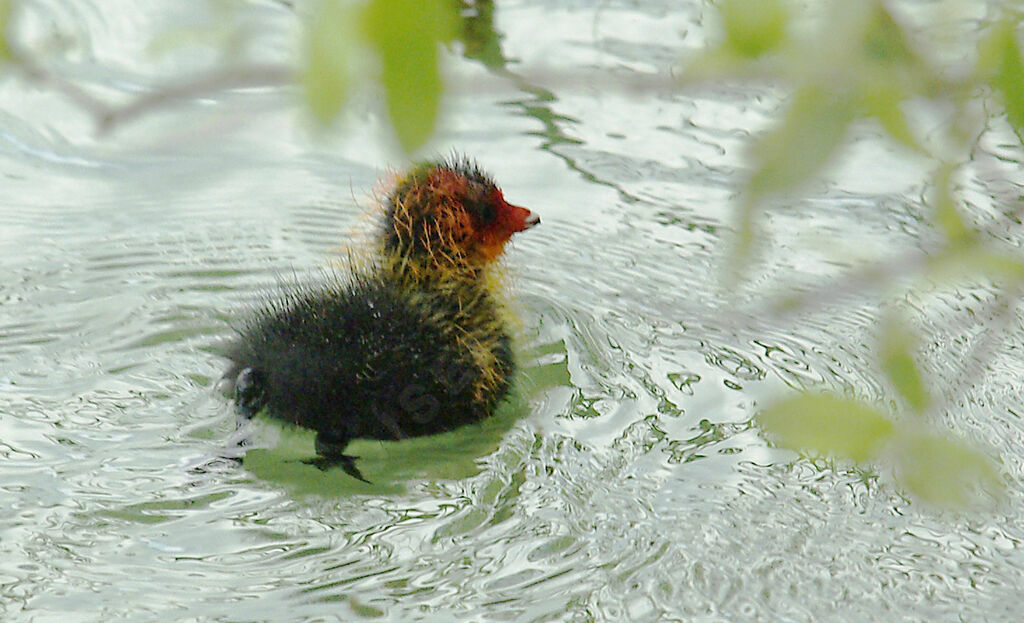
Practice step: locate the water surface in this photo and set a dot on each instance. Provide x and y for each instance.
(624, 482)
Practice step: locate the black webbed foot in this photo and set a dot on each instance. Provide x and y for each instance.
(344, 461)
(249, 392)
(330, 446)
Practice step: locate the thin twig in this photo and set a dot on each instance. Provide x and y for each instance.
(1004, 310)
(109, 116)
(219, 80)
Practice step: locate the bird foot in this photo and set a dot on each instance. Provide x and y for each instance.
(330, 447)
(344, 461)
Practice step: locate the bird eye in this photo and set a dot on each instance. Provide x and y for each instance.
(486, 211)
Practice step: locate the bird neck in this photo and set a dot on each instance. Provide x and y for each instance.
(444, 273)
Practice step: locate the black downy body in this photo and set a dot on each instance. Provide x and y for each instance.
(412, 343)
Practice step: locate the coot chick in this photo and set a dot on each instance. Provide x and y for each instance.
(409, 341)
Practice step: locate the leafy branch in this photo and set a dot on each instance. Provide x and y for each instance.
(394, 43)
(859, 63)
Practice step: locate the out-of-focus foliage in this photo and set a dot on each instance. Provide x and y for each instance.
(393, 44)
(839, 426)
(944, 471)
(754, 27)
(856, 63)
(936, 468)
(327, 62)
(897, 347)
(404, 36)
(800, 145)
(6, 9)
(1000, 63)
(946, 215)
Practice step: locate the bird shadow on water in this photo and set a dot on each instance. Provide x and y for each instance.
(389, 466)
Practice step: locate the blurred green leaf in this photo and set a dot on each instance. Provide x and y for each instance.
(947, 217)
(827, 425)
(1000, 57)
(896, 350)
(885, 41)
(885, 71)
(944, 471)
(993, 48)
(329, 46)
(6, 11)
(407, 35)
(883, 102)
(854, 40)
(744, 242)
(813, 128)
(974, 261)
(754, 27)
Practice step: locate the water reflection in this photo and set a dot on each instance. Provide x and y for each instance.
(624, 483)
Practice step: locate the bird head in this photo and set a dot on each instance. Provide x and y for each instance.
(450, 212)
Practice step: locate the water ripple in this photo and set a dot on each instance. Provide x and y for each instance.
(628, 482)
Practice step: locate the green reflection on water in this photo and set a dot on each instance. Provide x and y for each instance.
(388, 465)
